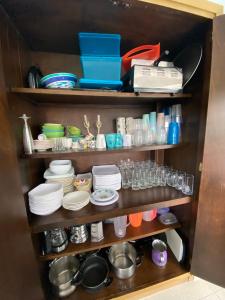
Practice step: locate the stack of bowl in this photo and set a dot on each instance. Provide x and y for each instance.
(51, 130)
(46, 198)
(59, 81)
(61, 171)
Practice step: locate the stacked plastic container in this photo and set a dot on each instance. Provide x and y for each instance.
(100, 60)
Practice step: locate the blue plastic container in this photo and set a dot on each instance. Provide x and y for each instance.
(99, 44)
(103, 68)
(100, 84)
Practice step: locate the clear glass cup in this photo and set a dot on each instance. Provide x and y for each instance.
(180, 180)
(125, 180)
(120, 226)
(188, 185)
(136, 174)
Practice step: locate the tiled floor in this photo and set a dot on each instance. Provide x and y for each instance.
(192, 290)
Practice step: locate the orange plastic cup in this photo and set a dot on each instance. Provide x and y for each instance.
(135, 219)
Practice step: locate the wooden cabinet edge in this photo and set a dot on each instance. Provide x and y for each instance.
(156, 287)
(201, 8)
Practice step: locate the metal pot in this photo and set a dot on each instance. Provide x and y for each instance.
(94, 273)
(124, 260)
(62, 275)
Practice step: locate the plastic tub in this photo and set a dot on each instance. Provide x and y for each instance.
(103, 68)
(149, 52)
(99, 44)
(100, 84)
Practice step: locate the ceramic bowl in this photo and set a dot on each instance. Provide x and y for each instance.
(46, 192)
(60, 167)
(59, 80)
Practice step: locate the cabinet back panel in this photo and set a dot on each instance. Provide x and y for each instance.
(137, 22)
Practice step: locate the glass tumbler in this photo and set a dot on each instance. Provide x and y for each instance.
(125, 178)
(180, 181)
(188, 185)
(136, 176)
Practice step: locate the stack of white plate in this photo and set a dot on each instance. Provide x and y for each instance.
(76, 200)
(65, 179)
(104, 197)
(46, 198)
(106, 177)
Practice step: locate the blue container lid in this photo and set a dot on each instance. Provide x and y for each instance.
(100, 84)
(99, 44)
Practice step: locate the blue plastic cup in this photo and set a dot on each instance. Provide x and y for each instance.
(173, 133)
(110, 140)
(119, 140)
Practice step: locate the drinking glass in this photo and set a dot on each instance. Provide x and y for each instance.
(163, 176)
(142, 178)
(125, 179)
(180, 181)
(188, 185)
(136, 179)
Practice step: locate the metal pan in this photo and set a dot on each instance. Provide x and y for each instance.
(188, 60)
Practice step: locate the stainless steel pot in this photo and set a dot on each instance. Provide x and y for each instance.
(124, 259)
(62, 275)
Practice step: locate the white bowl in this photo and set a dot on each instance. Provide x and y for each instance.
(60, 167)
(46, 192)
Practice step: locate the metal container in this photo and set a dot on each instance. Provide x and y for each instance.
(124, 259)
(78, 234)
(62, 275)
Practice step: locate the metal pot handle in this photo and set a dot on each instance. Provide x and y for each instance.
(52, 262)
(138, 260)
(108, 281)
(77, 278)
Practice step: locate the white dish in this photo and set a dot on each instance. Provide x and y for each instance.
(103, 194)
(49, 175)
(100, 203)
(76, 198)
(60, 167)
(46, 191)
(105, 170)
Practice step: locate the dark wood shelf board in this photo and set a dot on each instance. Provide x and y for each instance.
(129, 202)
(146, 229)
(146, 275)
(93, 96)
(74, 153)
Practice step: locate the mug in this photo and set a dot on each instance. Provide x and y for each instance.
(110, 140)
(135, 219)
(100, 141)
(150, 215)
(120, 226)
(127, 140)
(119, 140)
(159, 253)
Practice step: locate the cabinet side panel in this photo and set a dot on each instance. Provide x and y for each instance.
(18, 276)
(209, 256)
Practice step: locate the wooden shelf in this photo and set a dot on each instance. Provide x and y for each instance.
(94, 97)
(146, 275)
(129, 202)
(146, 229)
(74, 153)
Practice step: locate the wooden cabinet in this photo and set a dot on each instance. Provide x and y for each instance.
(44, 33)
